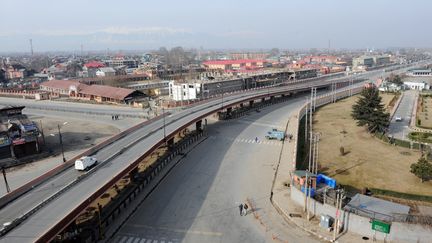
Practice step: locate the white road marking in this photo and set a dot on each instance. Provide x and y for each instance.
(185, 231)
(123, 239)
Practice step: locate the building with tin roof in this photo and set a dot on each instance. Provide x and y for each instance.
(98, 93)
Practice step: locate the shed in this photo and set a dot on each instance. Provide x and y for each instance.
(377, 208)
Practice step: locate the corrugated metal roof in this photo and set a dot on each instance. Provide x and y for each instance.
(106, 91)
(61, 84)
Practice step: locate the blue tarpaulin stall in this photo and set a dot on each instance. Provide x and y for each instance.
(326, 180)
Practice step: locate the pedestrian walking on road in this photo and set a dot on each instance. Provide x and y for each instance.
(256, 139)
(245, 207)
(241, 209)
(112, 117)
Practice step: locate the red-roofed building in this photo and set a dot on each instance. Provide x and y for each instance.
(99, 93)
(234, 65)
(94, 64)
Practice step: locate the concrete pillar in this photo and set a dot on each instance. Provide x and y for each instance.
(229, 111)
(170, 143)
(198, 125)
(12, 151)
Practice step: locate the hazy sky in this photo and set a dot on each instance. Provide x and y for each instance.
(132, 25)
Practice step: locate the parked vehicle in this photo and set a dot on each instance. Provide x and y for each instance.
(85, 163)
(275, 134)
(398, 118)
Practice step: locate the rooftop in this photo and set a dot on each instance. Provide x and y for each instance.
(227, 62)
(94, 64)
(376, 208)
(98, 90)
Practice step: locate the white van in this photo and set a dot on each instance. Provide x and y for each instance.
(85, 162)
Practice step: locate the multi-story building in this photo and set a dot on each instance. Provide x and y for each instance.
(121, 61)
(248, 55)
(364, 61)
(235, 65)
(15, 71)
(105, 72)
(381, 60)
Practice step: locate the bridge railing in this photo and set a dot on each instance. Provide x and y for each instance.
(8, 198)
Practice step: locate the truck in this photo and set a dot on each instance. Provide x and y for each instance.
(84, 163)
(275, 134)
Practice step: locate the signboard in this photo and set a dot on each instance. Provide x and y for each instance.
(381, 226)
(18, 141)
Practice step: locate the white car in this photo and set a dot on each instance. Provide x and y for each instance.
(398, 118)
(85, 162)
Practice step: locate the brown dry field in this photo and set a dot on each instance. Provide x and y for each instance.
(369, 162)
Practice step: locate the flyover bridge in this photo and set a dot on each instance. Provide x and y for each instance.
(44, 207)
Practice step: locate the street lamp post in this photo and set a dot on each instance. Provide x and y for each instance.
(164, 131)
(219, 86)
(61, 143)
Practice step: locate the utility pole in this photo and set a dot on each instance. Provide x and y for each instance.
(61, 142)
(163, 116)
(306, 121)
(315, 151)
(305, 208)
(31, 47)
(313, 98)
(310, 151)
(43, 135)
(5, 180)
(309, 189)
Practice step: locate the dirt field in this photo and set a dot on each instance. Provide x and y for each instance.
(368, 162)
(76, 134)
(386, 99)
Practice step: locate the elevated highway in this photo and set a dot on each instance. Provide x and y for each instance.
(47, 207)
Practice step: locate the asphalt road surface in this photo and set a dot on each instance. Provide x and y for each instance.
(57, 209)
(198, 201)
(95, 109)
(400, 129)
(147, 136)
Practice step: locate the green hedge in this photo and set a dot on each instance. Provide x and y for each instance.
(423, 137)
(398, 142)
(408, 196)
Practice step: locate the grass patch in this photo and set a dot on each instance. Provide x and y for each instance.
(371, 161)
(395, 194)
(423, 137)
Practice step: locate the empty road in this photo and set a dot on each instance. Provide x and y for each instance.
(400, 129)
(198, 201)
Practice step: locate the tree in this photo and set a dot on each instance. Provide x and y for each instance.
(370, 112)
(274, 52)
(422, 169)
(396, 79)
(2, 76)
